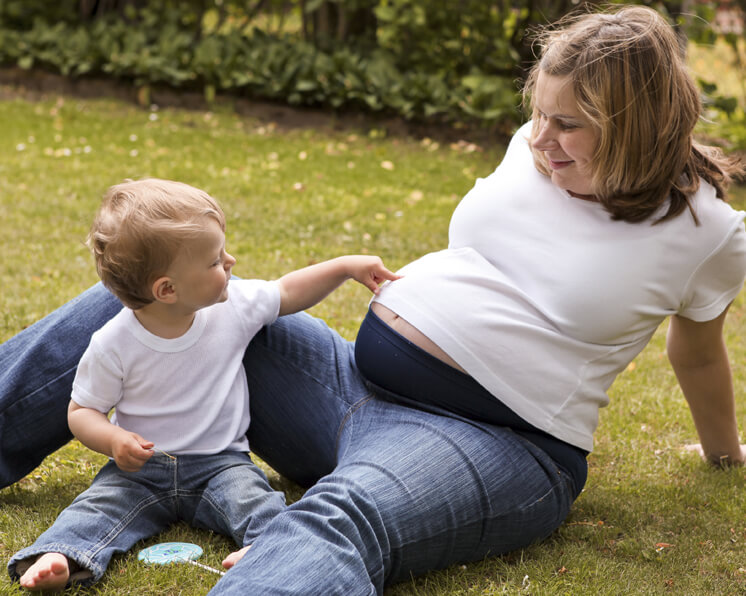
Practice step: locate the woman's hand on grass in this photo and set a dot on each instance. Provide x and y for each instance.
(719, 462)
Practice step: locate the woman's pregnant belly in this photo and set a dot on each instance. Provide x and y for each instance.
(406, 329)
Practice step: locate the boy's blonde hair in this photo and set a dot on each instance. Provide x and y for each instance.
(628, 72)
(140, 228)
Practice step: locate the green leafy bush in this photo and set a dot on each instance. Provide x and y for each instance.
(158, 44)
(425, 59)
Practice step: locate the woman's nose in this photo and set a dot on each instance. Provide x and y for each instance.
(545, 138)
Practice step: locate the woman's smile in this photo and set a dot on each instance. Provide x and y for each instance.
(558, 165)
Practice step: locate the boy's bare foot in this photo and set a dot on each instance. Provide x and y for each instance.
(49, 572)
(235, 557)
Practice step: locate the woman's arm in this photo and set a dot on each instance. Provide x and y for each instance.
(92, 428)
(699, 358)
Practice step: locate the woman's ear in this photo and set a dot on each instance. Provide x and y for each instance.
(164, 290)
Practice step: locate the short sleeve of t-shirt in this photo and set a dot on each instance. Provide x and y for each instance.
(98, 381)
(719, 279)
(257, 302)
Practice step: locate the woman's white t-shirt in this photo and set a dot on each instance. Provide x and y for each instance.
(544, 299)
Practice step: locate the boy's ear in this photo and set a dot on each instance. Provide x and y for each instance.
(164, 290)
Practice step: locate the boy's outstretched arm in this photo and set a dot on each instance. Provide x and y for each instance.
(306, 287)
(92, 428)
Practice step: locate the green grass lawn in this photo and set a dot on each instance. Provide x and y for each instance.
(651, 520)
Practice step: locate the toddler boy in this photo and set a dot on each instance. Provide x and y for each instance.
(170, 364)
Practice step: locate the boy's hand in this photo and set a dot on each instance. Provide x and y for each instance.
(130, 451)
(369, 271)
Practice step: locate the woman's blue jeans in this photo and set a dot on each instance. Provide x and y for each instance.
(225, 492)
(395, 491)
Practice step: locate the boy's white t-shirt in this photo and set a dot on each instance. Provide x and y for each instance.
(186, 395)
(544, 299)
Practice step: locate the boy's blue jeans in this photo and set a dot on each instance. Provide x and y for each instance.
(395, 491)
(224, 492)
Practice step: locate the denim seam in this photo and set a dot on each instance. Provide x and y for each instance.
(205, 495)
(301, 370)
(133, 513)
(561, 472)
(175, 492)
(23, 399)
(348, 415)
(555, 488)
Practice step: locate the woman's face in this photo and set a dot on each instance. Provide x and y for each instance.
(565, 137)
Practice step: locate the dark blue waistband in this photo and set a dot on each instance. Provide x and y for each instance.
(402, 371)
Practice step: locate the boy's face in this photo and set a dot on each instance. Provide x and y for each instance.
(201, 272)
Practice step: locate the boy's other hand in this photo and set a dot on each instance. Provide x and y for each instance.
(131, 451)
